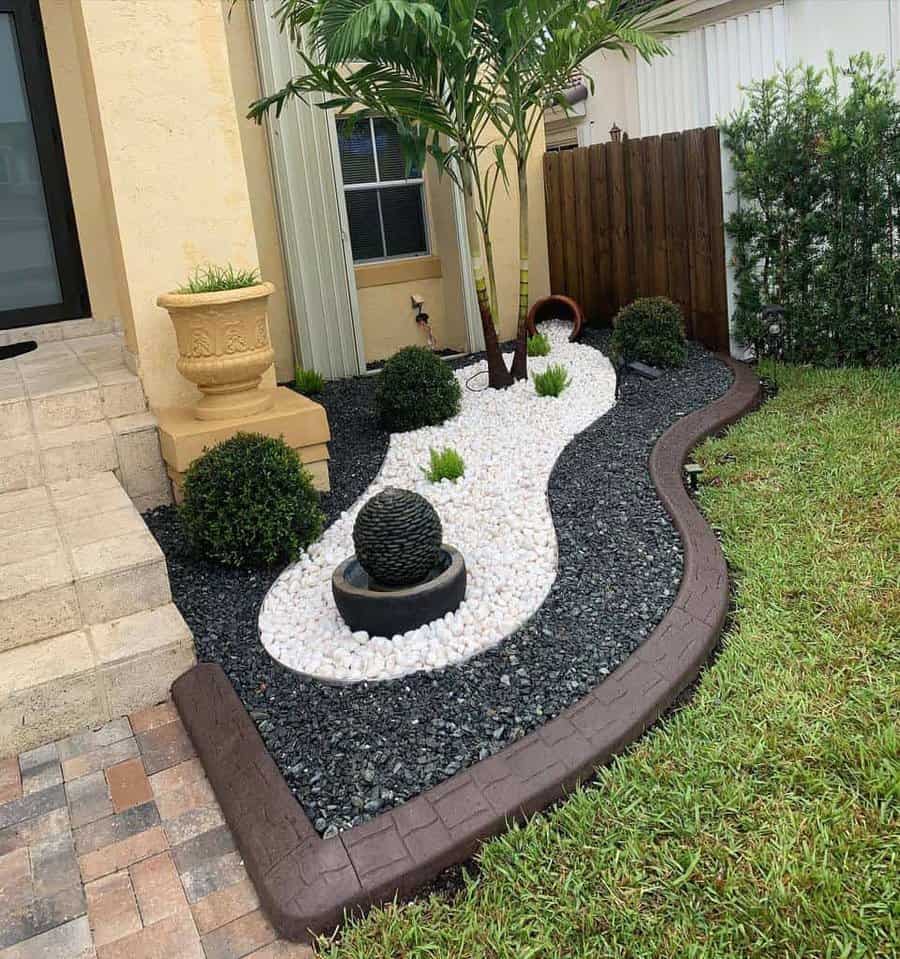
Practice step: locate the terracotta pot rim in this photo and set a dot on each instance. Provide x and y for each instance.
(182, 301)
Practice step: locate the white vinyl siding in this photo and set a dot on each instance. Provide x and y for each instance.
(701, 80)
(738, 52)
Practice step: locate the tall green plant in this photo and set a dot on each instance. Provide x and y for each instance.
(447, 71)
(860, 162)
(538, 46)
(816, 156)
(418, 64)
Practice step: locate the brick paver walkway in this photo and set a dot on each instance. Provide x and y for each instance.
(112, 846)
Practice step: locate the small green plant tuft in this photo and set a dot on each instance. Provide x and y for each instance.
(415, 389)
(249, 502)
(538, 345)
(552, 381)
(650, 329)
(215, 279)
(308, 382)
(445, 464)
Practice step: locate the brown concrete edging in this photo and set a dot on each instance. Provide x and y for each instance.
(306, 883)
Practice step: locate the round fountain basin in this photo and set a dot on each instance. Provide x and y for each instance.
(384, 611)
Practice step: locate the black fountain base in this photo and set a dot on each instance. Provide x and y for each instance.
(386, 611)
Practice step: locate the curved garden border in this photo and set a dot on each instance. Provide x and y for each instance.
(306, 883)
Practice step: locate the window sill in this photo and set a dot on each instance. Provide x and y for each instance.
(390, 272)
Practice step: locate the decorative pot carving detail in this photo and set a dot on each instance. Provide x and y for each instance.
(201, 341)
(224, 348)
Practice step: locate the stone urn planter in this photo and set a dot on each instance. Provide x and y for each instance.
(224, 348)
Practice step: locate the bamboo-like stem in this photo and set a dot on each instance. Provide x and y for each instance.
(499, 376)
(488, 247)
(520, 359)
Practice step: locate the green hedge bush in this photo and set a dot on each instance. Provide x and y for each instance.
(250, 502)
(415, 389)
(816, 156)
(651, 330)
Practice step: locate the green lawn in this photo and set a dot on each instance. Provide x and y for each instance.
(761, 820)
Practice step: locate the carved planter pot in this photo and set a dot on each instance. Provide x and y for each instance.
(223, 342)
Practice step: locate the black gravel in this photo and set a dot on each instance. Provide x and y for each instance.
(348, 752)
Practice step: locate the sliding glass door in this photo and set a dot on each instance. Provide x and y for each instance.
(41, 274)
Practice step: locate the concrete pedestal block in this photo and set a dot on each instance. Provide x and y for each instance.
(296, 419)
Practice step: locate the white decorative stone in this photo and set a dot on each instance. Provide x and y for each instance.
(497, 516)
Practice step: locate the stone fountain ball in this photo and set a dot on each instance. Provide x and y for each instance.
(397, 537)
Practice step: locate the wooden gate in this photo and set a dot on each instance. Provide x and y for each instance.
(641, 218)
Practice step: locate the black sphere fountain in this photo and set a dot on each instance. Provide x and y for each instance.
(402, 576)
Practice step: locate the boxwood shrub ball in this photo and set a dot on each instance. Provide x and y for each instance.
(397, 537)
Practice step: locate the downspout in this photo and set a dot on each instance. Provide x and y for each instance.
(575, 94)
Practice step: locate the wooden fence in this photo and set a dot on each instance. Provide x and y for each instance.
(641, 218)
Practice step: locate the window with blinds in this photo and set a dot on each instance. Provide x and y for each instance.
(385, 205)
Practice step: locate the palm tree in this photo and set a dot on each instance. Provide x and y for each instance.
(538, 46)
(446, 71)
(419, 64)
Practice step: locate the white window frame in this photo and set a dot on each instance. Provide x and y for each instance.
(378, 185)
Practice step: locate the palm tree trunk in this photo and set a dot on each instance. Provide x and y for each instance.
(520, 359)
(491, 276)
(499, 376)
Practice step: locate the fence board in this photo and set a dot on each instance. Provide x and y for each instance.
(656, 221)
(678, 259)
(618, 215)
(570, 223)
(585, 245)
(604, 305)
(641, 218)
(553, 197)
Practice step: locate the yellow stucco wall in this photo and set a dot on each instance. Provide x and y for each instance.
(385, 312)
(167, 174)
(505, 238)
(386, 316)
(163, 115)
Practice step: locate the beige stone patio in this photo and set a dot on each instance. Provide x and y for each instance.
(88, 631)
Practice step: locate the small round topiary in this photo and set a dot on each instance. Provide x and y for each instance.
(650, 330)
(397, 537)
(415, 389)
(250, 502)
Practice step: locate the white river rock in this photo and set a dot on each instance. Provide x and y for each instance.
(497, 515)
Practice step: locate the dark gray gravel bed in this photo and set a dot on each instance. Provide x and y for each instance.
(348, 752)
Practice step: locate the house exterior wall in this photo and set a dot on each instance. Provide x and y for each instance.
(168, 174)
(727, 45)
(386, 315)
(384, 289)
(505, 239)
(153, 149)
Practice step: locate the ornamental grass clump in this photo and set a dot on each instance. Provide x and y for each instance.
(651, 330)
(215, 279)
(415, 389)
(552, 381)
(308, 382)
(444, 464)
(250, 502)
(538, 345)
